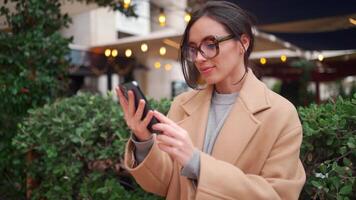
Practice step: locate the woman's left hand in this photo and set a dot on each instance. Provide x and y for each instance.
(174, 140)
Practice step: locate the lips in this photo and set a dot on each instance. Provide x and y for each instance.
(206, 70)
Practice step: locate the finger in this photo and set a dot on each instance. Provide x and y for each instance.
(162, 118)
(147, 119)
(131, 102)
(139, 111)
(170, 150)
(168, 130)
(122, 99)
(170, 141)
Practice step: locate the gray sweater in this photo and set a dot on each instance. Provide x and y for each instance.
(219, 109)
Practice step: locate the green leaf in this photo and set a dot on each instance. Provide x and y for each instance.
(351, 144)
(316, 184)
(347, 189)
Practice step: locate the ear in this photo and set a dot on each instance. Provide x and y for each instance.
(245, 40)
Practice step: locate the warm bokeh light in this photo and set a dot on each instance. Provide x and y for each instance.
(157, 65)
(107, 52)
(114, 53)
(127, 4)
(352, 21)
(128, 53)
(320, 57)
(162, 51)
(167, 67)
(144, 47)
(283, 58)
(162, 18)
(187, 17)
(263, 61)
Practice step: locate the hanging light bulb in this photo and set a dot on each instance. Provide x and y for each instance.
(114, 53)
(144, 47)
(128, 53)
(263, 61)
(107, 52)
(127, 4)
(162, 51)
(157, 65)
(283, 58)
(162, 17)
(320, 57)
(187, 17)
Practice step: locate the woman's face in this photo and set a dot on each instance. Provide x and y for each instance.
(225, 68)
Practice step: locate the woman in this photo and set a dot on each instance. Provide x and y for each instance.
(232, 137)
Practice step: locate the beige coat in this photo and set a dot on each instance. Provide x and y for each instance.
(255, 156)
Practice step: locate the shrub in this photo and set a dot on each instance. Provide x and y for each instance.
(329, 149)
(33, 71)
(79, 143)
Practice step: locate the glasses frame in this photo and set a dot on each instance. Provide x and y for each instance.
(216, 41)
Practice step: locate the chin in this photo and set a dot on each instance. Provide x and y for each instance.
(211, 80)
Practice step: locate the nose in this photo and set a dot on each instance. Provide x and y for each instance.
(200, 57)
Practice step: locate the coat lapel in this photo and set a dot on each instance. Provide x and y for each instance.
(241, 125)
(237, 131)
(197, 109)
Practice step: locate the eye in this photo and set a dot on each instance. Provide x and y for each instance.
(210, 46)
(191, 49)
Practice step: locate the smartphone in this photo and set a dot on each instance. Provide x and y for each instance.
(133, 86)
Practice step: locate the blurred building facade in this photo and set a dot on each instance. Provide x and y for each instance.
(96, 29)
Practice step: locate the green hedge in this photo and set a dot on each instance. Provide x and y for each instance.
(329, 150)
(79, 145)
(79, 142)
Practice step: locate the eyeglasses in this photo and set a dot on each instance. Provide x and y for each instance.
(208, 48)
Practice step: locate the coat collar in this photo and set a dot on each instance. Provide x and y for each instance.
(253, 95)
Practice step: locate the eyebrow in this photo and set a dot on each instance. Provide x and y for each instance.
(189, 43)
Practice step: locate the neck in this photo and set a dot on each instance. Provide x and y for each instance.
(228, 87)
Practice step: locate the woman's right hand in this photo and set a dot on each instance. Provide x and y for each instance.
(133, 117)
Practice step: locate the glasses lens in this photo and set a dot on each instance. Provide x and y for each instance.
(191, 54)
(208, 48)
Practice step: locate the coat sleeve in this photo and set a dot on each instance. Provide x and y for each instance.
(154, 173)
(282, 176)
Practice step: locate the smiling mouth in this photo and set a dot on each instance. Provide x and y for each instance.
(206, 70)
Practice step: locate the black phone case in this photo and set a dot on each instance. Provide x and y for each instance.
(125, 87)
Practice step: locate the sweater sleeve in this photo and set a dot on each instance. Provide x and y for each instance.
(192, 168)
(141, 148)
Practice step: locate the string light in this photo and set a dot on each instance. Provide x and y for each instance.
(352, 21)
(107, 52)
(128, 53)
(263, 61)
(283, 58)
(127, 4)
(162, 17)
(162, 51)
(144, 47)
(187, 17)
(157, 65)
(320, 57)
(114, 53)
(167, 67)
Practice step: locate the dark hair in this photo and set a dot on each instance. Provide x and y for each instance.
(232, 17)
